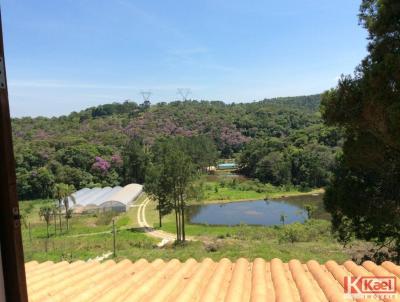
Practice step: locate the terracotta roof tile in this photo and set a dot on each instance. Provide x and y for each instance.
(193, 281)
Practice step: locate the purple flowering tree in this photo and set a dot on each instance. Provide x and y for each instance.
(101, 165)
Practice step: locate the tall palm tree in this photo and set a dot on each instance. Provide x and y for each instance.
(59, 195)
(63, 193)
(69, 189)
(54, 210)
(45, 213)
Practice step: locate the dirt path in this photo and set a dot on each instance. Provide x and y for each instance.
(141, 219)
(165, 236)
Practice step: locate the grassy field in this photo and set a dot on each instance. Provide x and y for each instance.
(90, 236)
(225, 195)
(311, 240)
(222, 188)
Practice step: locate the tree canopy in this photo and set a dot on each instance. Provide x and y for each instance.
(109, 145)
(364, 197)
(169, 179)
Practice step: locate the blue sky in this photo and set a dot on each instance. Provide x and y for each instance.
(66, 55)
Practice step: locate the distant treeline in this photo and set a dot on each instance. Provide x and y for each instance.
(281, 141)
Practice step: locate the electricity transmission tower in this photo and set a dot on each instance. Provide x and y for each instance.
(184, 92)
(146, 98)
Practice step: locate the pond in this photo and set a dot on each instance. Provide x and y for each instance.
(257, 212)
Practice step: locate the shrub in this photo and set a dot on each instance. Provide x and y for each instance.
(211, 247)
(304, 187)
(310, 209)
(311, 230)
(291, 233)
(233, 184)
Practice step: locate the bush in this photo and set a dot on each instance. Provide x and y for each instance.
(142, 244)
(304, 187)
(311, 230)
(291, 233)
(233, 184)
(212, 247)
(317, 229)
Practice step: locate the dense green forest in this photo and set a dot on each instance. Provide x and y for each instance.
(280, 141)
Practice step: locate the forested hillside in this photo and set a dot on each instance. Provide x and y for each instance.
(281, 141)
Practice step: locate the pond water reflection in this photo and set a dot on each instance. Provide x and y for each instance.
(257, 212)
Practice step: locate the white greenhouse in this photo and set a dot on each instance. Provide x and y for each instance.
(117, 199)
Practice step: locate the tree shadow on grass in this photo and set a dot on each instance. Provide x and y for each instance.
(138, 230)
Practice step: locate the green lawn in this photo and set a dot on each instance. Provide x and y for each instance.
(222, 189)
(225, 195)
